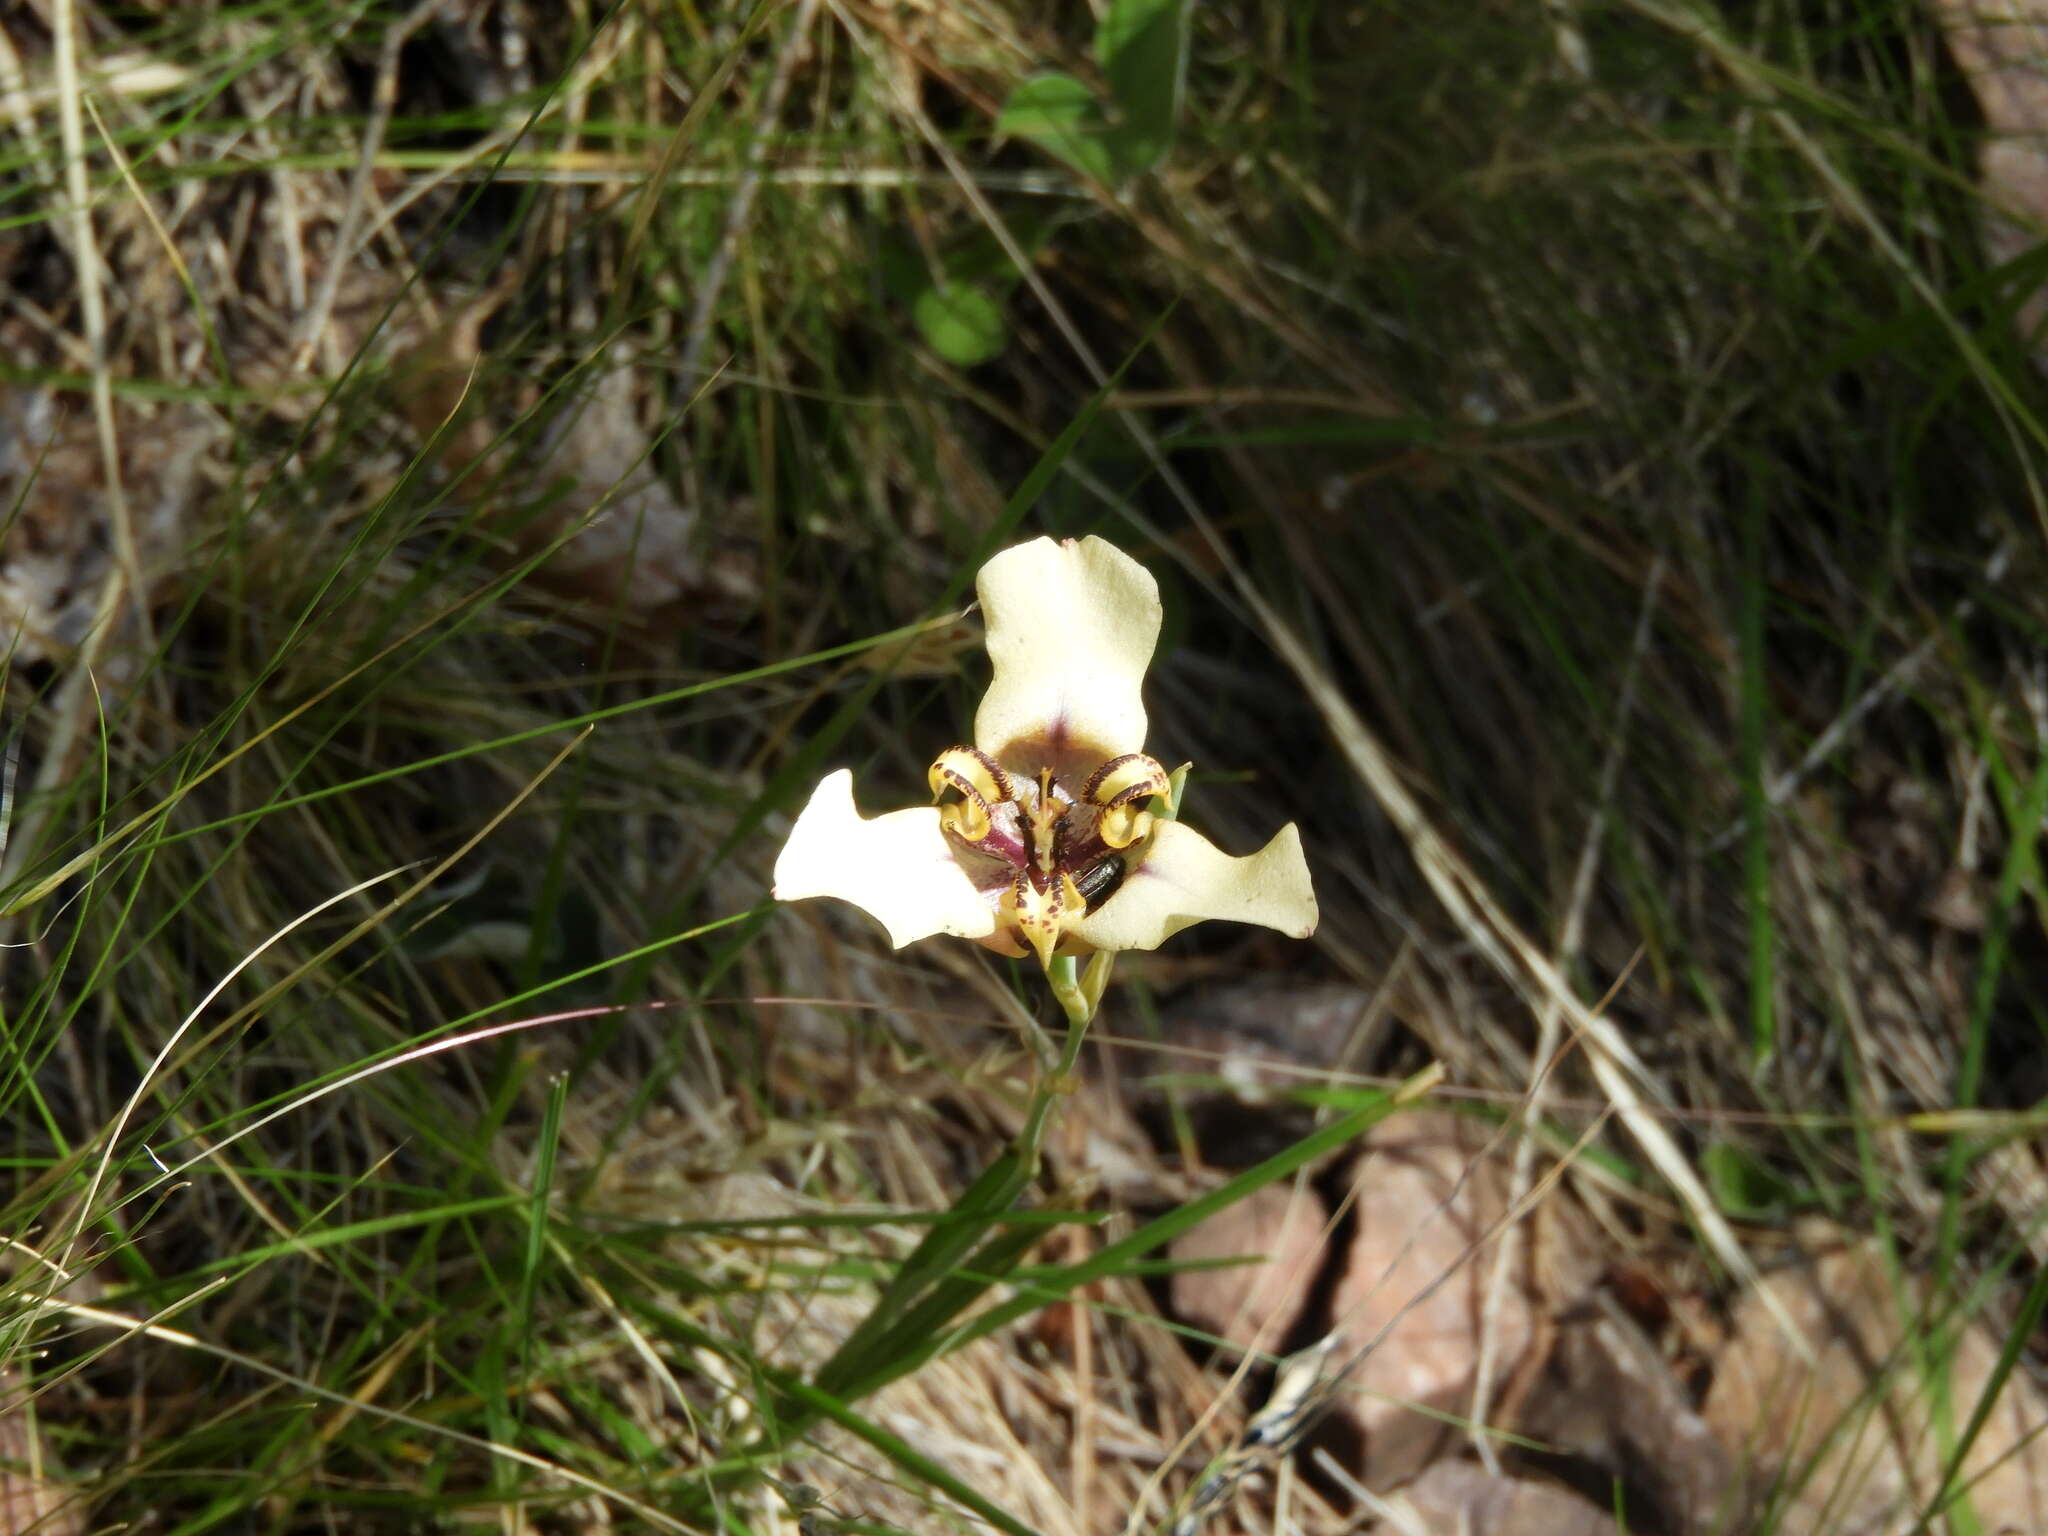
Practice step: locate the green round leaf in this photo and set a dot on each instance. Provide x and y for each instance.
(962, 324)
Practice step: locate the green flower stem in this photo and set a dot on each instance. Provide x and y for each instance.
(1079, 997)
(1066, 988)
(1079, 1004)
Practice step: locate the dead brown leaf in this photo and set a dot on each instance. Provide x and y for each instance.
(1252, 1305)
(622, 540)
(1854, 1439)
(629, 542)
(1609, 1398)
(2002, 51)
(1461, 1497)
(58, 545)
(1428, 1188)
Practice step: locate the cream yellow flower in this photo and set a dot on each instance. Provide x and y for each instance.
(1043, 841)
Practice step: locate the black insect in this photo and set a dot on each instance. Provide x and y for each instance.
(1099, 881)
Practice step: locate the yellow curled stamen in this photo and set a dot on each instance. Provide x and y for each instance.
(1122, 825)
(980, 781)
(1121, 780)
(965, 766)
(967, 820)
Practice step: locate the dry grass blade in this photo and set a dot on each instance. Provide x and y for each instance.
(311, 326)
(123, 585)
(1549, 1029)
(711, 284)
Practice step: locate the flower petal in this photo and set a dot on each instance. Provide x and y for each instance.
(1184, 878)
(897, 868)
(1071, 627)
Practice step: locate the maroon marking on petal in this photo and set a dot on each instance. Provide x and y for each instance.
(1000, 843)
(1077, 846)
(1003, 845)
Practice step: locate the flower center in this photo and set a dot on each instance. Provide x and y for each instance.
(1057, 852)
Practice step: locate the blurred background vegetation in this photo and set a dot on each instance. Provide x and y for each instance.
(471, 466)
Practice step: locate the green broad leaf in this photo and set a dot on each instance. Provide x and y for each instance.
(1060, 115)
(1142, 46)
(962, 324)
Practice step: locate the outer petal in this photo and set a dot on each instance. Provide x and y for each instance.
(1071, 627)
(897, 868)
(1185, 878)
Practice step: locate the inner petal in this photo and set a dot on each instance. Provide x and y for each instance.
(1043, 915)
